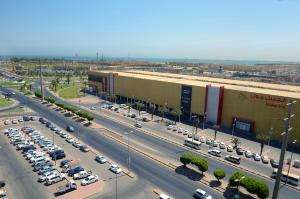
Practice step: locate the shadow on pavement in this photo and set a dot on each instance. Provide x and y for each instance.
(230, 192)
(190, 173)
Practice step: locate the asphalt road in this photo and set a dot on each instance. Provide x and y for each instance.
(146, 169)
(173, 151)
(19, 178)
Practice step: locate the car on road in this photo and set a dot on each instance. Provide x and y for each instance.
(274, 163)
(84, 148)
(81, 175)
(248, 154)
(89, 180)
(233, 159)
(214, 152)
(101, 159)
(256, 157)
(229, 148)
(222, 145)
(115, 168)
(70, 128)
(201, 194)
(265, 159)
(138, 125)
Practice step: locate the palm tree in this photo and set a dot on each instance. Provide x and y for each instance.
(236, 142)
(152, 107)
(140, 106)
(163, 110)
(262, 138)
(129, 106)
(68, 77)
(54, 85)
(176, 114)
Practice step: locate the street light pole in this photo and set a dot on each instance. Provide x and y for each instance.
(293, 148)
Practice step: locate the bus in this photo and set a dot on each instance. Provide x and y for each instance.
(192, 143)
(291, 178)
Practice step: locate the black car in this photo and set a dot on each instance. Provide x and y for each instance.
(74, 171)
(26, 118)
(48, 124)
(240, 151)
(52, 153)
(70, 128)
(2, 183)
(42, 165)
(62, 163)
(27, 148)
(274, 163)
(58, 156)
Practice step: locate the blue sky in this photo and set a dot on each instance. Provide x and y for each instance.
(203, 29)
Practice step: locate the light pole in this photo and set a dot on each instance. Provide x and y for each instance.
(291, 158)
(128, 149)
(239, 180)
(233, 126)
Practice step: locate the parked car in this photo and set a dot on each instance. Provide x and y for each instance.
(215, 143)
(256, 157)
(14, 121)
(77, 144)
(185, 132)
(265, 159)
(81, 175)
(84, 148)
(75, 170)
(62, 163)
(274, 163)
(214, 152)
(229, 148)
(208, 142)
(70, 140)
(89, 180)
(70, 128)
(201, 194)
(222, 145)
(115, 168)
(55, 178)
(180, 130)
(70, 186)
(58, 156)
(7, 122)
(233, 159)
(240, 151)
(248, 154)
(43, 177)
(101, 159)
(169, 127)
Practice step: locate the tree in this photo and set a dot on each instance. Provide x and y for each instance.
(54, 85)
(185, 159)
(140, 106)
(233, 179)
(236, 142)
(162, 110)
(68, 77)
(152, 107)
(176, 114)
(262, 138)
(129, 106)
(219, 174)
(216, 128)
(201, 163)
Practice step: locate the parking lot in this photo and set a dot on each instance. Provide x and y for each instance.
(105, 186)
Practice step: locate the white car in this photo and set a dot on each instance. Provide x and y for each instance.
(201, 194)
(14, 121)
(77, 144)
(101, 159)
(7, 122)
(214, 152)
(164, 196)
(222, 145)
(169, 127)
(81, 174)
(89, 180)
(115, 168)
(202, 139)
(174, 128)
(248, 154)
(185, 132)
(265, 159)
(215, 143)
(70, 140)
(229, 148)
(20, 120)
(55, 178)
(93, 108)
(180, 130)
(256, 157)
(42, 178)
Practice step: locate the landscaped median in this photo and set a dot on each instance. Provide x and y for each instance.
(250, 184)
(82, 114)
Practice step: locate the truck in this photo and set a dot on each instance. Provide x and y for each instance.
(70, 186)
(70, 165)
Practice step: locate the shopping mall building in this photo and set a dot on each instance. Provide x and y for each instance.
(252, 107)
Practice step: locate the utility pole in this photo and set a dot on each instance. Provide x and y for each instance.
(41, 80)
(287, 129)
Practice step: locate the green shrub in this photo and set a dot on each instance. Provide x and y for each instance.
(235, 176)
(185, 159)
(38, 94)
(219, 174)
